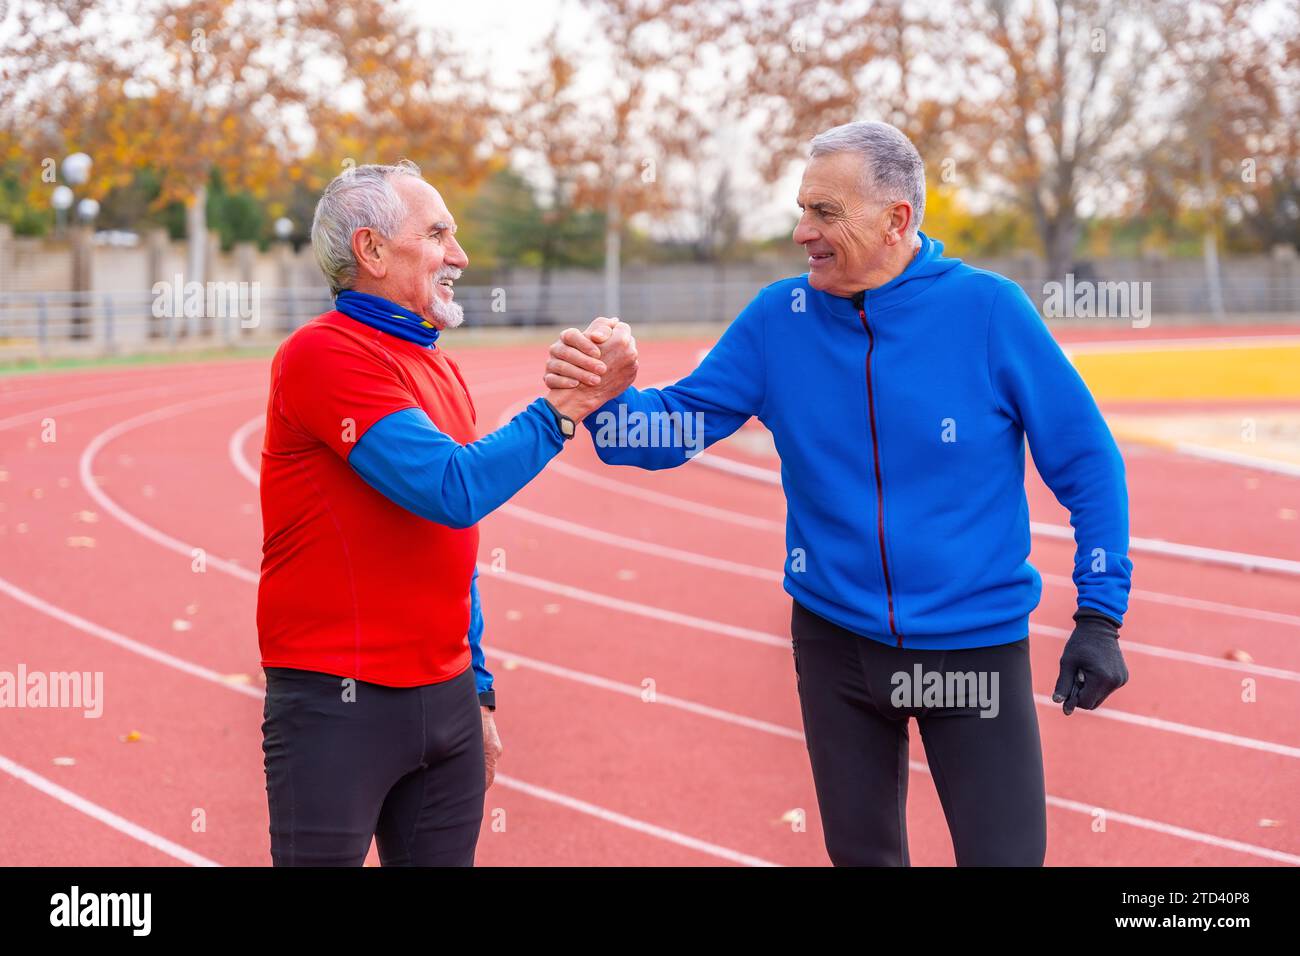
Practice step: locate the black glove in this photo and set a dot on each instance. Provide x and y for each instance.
(1092, 666)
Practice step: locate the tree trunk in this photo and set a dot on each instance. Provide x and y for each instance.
(544, 280)
(1062, 233)
(1210, 242)
(613, 251)
(196, 231)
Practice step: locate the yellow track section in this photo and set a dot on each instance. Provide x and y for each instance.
(1192, 373)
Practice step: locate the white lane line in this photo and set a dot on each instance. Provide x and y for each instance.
(1240, 560)
(121, 640)
(86, 472)
(1170, 829)
(763, 726)
(634, 690)
(236, 570)
(1193, 604)
(634, 607)
(81, 404)
(1187, 730)
(103, 815)
(235, 448)
(668, 501)
(1209, 453)
(640, 546)
(631, 823)
(1187, 657)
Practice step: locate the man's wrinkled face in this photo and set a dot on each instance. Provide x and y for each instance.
(842, 230)
(423, 258)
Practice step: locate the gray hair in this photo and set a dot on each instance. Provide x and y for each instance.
(358, 198)
(892, 167)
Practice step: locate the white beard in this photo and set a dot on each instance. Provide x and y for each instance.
(446, 315)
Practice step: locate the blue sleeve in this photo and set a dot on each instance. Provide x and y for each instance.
(482, 676)
(662, 428)
(1072, 447)
(408, 460)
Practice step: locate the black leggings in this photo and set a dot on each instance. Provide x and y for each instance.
(403, 765)
(988, 770)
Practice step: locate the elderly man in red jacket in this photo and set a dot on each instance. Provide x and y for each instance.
(378, 716)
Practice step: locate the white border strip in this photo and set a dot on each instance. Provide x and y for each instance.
(1184, 344)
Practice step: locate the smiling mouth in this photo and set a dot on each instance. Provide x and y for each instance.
(447, 284)
(820, 258)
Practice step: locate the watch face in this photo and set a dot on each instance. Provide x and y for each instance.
(566, 426)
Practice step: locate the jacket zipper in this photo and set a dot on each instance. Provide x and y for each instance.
(860, 301)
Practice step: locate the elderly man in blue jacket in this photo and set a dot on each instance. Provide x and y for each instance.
(900, 387)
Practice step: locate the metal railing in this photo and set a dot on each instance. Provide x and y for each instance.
(101, 322)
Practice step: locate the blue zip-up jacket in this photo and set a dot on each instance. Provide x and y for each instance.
(900, 419)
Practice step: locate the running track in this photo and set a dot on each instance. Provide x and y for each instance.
(613, 578)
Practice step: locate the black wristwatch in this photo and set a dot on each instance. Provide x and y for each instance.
(567, 428)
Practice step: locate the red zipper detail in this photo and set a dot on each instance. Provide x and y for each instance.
(880, 487)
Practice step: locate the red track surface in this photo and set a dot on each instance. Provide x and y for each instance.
(1183, 769)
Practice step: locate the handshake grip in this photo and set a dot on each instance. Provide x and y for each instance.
(585, 369)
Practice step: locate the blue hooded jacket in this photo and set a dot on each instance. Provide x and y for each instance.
(900, 417)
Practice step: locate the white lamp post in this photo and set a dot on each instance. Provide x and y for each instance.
(76, 168)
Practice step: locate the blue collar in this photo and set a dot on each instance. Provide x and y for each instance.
(386, 316)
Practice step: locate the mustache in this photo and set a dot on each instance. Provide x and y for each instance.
(447, 272)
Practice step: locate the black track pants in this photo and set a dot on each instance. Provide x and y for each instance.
(988, 770)
(403, 765)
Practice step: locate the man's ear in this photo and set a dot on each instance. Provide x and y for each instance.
(900, 217)
(368, 250)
